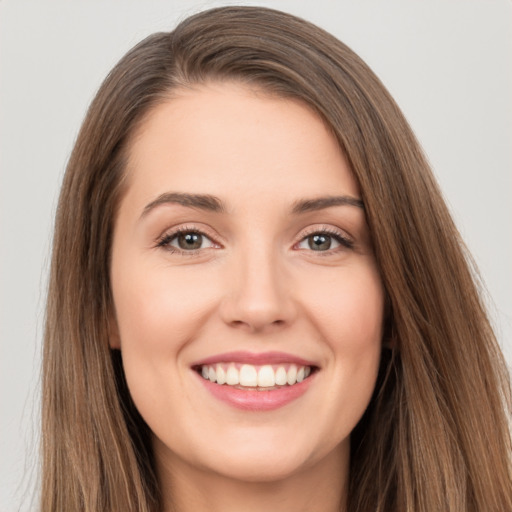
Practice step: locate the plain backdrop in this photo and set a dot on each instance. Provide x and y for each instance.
(448, 64)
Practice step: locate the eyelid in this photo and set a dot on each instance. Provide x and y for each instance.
(343, 238)
(169, 234)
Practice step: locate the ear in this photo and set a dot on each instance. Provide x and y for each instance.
(114, 339)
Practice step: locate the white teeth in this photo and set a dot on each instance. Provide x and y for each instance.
(221, 374)
(281, 376)
(266, 376)
(232, 376)
(248, 376)
(291, 376)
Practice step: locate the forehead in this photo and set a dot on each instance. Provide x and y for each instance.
(227, 139)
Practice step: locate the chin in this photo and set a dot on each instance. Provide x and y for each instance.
(259, 468)
(253, 457)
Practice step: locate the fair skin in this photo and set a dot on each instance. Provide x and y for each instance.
(258, 274)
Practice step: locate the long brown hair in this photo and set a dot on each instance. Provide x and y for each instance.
(435, 435)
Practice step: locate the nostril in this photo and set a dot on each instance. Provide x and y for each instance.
(257, 324)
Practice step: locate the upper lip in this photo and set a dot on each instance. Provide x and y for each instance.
(253, 358)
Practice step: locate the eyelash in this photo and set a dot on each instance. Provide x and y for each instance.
(343, 240)
(165, 241)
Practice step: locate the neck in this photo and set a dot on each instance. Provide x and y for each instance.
(320, 487)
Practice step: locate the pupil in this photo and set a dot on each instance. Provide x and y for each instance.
(190, 241)
(320, 242)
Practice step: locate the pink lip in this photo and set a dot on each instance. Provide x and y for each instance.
(254, 359)
(253, 400)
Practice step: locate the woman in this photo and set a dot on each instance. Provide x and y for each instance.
(258, 299)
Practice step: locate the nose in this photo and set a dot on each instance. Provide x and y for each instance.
(257, 296)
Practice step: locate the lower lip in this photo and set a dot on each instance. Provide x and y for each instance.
(253, 400)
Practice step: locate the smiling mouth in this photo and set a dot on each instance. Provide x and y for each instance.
(255, 377)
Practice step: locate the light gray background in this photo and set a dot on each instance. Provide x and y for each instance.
(447, 63)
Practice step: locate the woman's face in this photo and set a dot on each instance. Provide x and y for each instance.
(248, 304)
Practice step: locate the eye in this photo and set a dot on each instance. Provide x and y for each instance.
(185, 241)
(323, 241)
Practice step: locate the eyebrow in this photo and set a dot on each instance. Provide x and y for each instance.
(205, 202)
(320, 203)
(212, 203)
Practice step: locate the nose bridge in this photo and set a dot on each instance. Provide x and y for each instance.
(257, 296)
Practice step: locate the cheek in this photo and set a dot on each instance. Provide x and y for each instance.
(159, 308)
(347, 311)
(159, 311)
(348, 306)
(359, 341)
